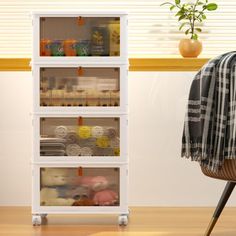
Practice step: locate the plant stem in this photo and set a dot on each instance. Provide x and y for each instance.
(193, 23)
(193, 27)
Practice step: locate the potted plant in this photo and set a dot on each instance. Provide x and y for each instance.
(190, 15)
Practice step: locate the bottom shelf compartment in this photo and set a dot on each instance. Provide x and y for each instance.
(79, 189)
(79, 186)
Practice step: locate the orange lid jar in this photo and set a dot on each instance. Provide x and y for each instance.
(45, 47)
(70, 47)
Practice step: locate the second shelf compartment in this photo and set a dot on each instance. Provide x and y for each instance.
(80, 87)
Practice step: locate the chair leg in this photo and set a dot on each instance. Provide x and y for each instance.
(220, 206)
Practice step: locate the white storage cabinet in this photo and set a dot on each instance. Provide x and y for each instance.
(80, 153)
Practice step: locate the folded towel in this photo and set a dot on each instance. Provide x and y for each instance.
(209, 135)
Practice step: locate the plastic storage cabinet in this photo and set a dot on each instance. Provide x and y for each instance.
(80, 157)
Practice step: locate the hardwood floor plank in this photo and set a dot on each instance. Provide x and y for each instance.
(144, 221)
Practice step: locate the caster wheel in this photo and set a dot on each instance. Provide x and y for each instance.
(123, 220)
(36, 220)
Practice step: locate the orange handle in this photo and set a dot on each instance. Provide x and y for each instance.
(80, 71)
(80, 21)
(80, 121)
(80, 171)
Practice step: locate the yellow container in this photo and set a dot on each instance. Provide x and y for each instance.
(114, 31)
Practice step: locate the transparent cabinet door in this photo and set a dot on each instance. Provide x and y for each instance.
(79, 136)
(80, 186)
(81, 86)
(79, 36)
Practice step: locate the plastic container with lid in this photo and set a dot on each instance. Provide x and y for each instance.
(45, 47)
(100, 41)
(70, 47)
(57, 48)
(83, 48)
(114, 31)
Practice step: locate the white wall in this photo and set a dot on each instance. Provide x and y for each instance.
(15, 138)
(158, 176)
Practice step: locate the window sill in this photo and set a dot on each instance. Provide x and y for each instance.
(166, 64)
(15, 64)
(136, 64)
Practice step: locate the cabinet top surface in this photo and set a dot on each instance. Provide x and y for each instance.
(78, 13)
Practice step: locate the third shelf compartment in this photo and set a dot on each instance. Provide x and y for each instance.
(80, 138)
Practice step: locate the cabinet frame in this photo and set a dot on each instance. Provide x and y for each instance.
(121, 161)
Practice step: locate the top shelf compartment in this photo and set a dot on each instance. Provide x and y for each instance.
(65, 38)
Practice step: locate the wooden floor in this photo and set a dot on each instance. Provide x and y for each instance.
(144, 221)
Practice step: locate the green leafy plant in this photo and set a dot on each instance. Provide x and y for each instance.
(191, 13)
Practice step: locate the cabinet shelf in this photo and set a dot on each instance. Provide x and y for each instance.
(80, 60)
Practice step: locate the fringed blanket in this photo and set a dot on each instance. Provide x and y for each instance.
(209, 135)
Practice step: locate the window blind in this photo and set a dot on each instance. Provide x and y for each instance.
(153, 30)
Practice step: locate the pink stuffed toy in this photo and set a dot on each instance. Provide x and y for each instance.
(96, 183)
(86, 181)
(105, 198)
(99, 183)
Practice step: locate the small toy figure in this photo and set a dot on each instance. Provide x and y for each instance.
(105, 198)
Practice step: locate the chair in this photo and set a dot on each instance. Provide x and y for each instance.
(228, 173)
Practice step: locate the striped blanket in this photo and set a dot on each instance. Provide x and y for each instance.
(209, 135)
